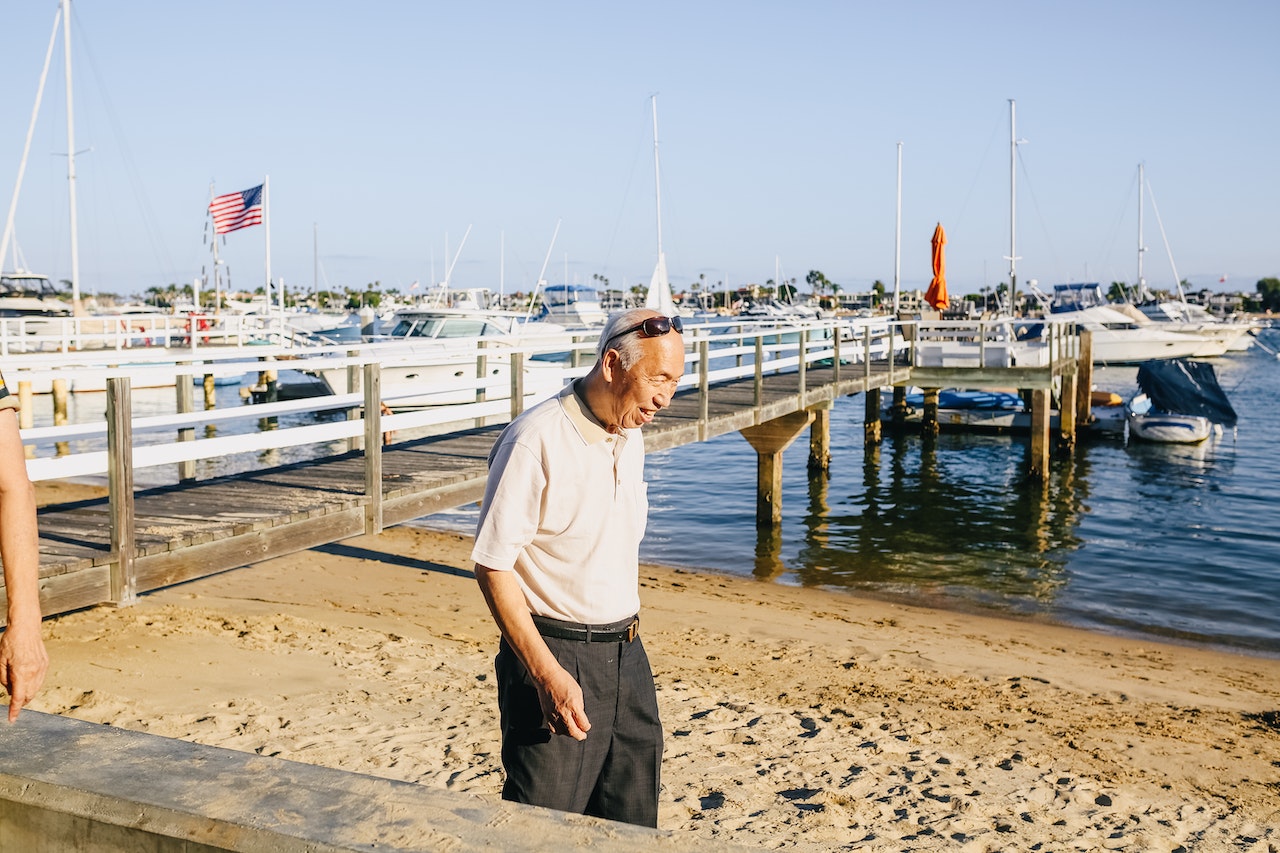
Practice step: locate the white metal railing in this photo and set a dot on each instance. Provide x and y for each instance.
(732, 351)
(134, 332)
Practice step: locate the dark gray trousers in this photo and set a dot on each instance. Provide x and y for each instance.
(614, 773)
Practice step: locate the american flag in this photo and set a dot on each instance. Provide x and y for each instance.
(234, 211)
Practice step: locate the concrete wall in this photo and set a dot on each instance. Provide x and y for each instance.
(68, 785)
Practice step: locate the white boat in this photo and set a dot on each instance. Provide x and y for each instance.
(27, 302)
(1165, 427)
(1120, 337)
(1180, 315)
(574, 306)
(1183, 316)
(1179, 402)
(431, 357)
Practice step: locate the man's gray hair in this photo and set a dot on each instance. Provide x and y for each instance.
(628, 347)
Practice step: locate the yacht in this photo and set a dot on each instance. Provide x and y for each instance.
(1120, 336)
(431, 354)
(574, 306)
(31, 299)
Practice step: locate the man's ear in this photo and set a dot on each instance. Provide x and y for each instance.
(610, 365)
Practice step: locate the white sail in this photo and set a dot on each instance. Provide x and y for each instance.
(659, 297)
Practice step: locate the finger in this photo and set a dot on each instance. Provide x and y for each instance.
(576, 724)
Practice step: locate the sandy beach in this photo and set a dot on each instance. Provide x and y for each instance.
(796, 719)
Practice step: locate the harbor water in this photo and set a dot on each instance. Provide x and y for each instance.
(1171, 542)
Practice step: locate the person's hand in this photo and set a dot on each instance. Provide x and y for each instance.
(562, 705)
(23, 663)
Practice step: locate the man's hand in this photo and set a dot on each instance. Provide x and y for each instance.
(562, 705)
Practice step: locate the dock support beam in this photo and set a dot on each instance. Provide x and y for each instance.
(1038, 461)
(1084, 379)
(929, 421)
(899, 406)
(871, 429)
(1067, 412)
(820, 437)
(770, 440)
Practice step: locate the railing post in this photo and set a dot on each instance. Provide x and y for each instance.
(183, 384)
(482, 376)
(803, 350)
(516, 363)
(835, 354)
(866, 353)
(124, 579)
(704, 387)
(759, 384)
(353, 385)
(373, 447)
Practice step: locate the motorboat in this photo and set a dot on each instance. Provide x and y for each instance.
(444, 355)
(1121, 337)
(1185, 316)
(989, 411)
(574, 306)
(32, 301)
(1179, 402)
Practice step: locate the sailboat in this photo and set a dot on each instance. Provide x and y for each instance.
(26, 294)
(659, 297)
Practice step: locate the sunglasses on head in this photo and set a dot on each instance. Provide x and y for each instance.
(653, 327)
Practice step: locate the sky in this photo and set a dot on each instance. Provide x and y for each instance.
(409, 141)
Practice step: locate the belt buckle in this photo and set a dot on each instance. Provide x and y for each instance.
(632, 629)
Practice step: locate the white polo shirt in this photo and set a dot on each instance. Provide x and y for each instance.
(565, 507)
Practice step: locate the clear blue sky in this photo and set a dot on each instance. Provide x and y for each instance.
(389, 128)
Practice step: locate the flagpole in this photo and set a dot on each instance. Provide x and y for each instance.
(217, 274)
(266, 222)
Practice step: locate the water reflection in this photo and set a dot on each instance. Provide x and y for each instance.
(935, 515)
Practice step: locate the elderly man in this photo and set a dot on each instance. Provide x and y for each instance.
(557, 558)
(23, 660)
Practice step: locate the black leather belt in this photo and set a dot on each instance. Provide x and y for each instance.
(616, 632)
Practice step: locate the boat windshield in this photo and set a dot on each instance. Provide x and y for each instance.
(443, 327)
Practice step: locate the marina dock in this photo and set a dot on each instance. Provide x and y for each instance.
(771, 385)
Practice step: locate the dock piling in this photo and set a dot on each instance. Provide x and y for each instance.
(769, 440)
(820, 437)
(871, 429)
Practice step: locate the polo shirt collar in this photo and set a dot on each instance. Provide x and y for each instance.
(588, 426)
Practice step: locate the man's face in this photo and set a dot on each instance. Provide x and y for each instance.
(641, 391)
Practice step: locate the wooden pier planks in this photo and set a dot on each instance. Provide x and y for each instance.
(195, 529)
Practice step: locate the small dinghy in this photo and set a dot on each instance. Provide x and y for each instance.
(1180, 402)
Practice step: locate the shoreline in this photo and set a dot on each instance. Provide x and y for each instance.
(63, 491)
(796, 718)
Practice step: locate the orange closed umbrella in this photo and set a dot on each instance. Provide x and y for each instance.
(936, 295)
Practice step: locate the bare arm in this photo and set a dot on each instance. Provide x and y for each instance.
(558, 692)
(23, 661)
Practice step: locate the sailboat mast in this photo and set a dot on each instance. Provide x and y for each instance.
(1013, 219)
(657, 180)
(897, 239)
(71, 158)
(26, 148)
(1142, 282)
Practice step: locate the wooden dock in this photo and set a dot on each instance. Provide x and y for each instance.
(110, 550)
